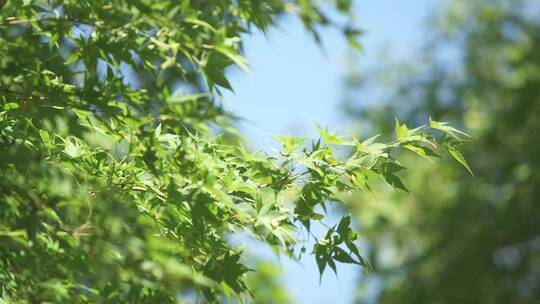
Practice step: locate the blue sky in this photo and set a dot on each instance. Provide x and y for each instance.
(295, 84)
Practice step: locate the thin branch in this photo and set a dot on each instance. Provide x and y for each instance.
(12, 21)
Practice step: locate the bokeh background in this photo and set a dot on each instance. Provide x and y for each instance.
(455, 238)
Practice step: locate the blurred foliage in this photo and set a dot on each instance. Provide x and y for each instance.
(459, 239)
(121, 174)
(266, 286)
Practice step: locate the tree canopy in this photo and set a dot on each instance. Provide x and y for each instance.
(462, 240)
(122, 174)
